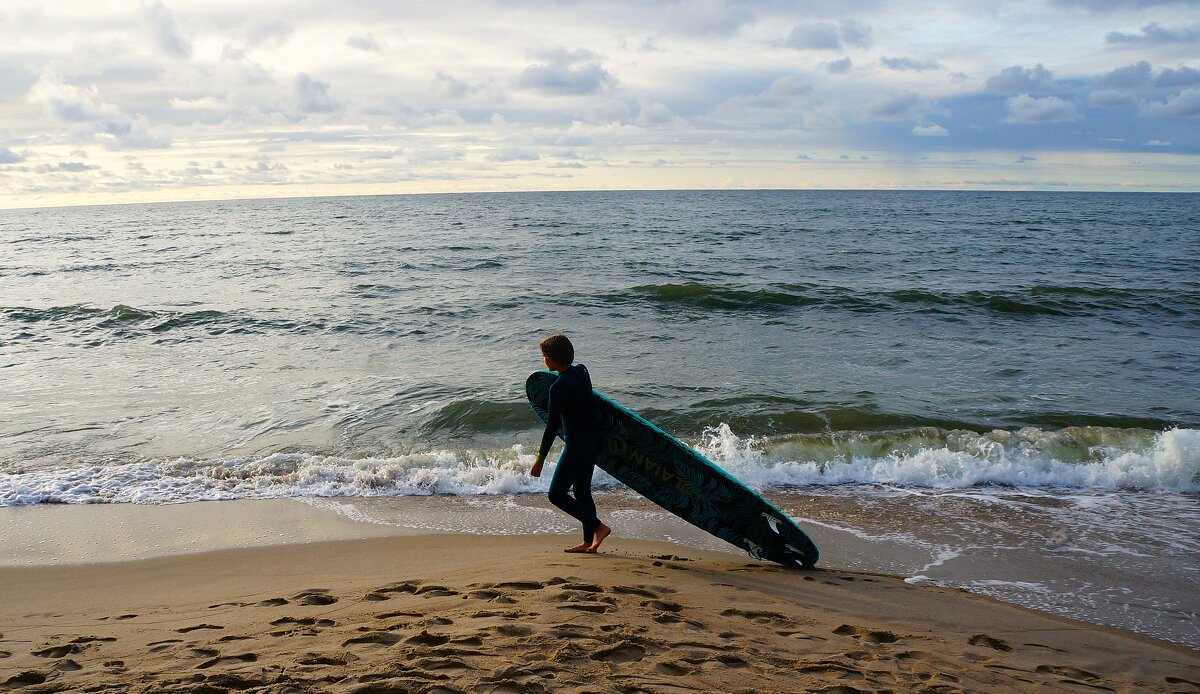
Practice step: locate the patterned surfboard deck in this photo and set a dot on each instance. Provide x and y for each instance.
(677, 478)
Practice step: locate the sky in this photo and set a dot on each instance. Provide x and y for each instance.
(108, 102)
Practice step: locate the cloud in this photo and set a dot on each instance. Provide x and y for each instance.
(1129, 77)
(1024, 159)
(506, 155)
(705, 17)
(656, 115)
(1182, 77)
(1020, 79)
(932, 130)
(450, 87)
(895, 106)
(1156, 143)
(274, 32)
(364, 42)
(826, 36)
(838, 67)
(566, 73)
(1185, 104)
(435, 155)
(1111, 98)
(7, 156)
(64, 167)
(1025, 109)
(69, 103)
(1155, 34)
(312, 96)
(1102, 6)
(904, 64)
(162, 26)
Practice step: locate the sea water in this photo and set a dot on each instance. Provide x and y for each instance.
(999, 391)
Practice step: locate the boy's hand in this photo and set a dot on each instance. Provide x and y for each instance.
(536, 470)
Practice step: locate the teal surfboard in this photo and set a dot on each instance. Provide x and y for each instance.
(668, 472)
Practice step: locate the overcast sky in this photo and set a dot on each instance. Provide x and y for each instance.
(186, 99)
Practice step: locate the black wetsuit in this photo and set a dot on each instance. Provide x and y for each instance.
(572, 406)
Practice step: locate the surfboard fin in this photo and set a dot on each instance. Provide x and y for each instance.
(755, 549)
(772, 521)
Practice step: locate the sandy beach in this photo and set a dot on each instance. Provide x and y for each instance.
(459, 613)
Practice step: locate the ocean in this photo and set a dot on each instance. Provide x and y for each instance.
(996, 391)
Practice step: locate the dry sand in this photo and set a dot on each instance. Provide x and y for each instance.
(453, 613)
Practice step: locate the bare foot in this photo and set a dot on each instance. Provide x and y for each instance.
(602, 532)
(579, 549)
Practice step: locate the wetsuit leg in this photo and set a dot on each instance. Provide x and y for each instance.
(575, 472)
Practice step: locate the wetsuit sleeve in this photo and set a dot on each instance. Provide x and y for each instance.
(553, 421)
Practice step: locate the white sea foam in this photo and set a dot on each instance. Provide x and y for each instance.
(1170, 462)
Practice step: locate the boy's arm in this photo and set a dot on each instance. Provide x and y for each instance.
(553, 420)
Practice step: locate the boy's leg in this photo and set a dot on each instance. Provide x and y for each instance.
(582, 486)
(566, 474)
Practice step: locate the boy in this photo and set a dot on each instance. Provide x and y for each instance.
(571, 405)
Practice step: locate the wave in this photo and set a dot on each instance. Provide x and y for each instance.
(1036, 300)
(1086, 458)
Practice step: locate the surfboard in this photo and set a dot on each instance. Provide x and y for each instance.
(673, 475)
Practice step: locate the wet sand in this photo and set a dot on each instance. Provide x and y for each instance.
(465, 613)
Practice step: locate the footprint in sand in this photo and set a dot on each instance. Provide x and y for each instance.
(318, 659)
(663, 605)
(427, 639)
(398, 613)
(58, 651)
(868, 635)
(204, 652)
(156, 646)
(304, 621)
(198, 627)
(598, 608)
(673, 668)
(621, 652)
(988, 641)
(94, 639)
(67, 665)
(376, 638)
(315, 596)
(25, 679)
(5, 654)
(228, 660)
(635, 590)
(273, 602)
(520, 585)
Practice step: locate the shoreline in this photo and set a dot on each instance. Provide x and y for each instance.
(456, 613)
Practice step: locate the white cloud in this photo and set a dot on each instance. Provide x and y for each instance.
(656, 115)
(312, 96)
(931, 130)
(364, 42)
(162, 28)
(895, 106)
(1021, 79)
(906, 64)
(7, 156)
(705, 17)
(92, 119)
(826, 36)
(450, 87)
(1153, 33)
(513, 154)
(1185, 104)
(566, 73)
(1026, 109)
(838, 67)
